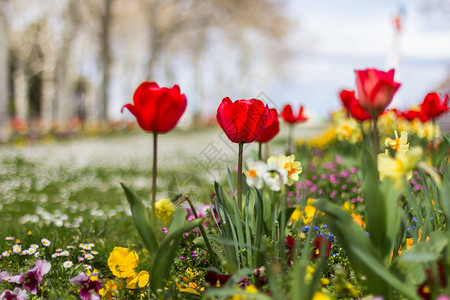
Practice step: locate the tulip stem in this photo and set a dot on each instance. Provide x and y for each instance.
(291, 139)
(260, 151)
(239, 185)
(154, 172)
(375, 140)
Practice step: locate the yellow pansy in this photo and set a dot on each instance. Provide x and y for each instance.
(320, 296)
(122, 262)
(140, 280)
(293, 168)
(93, 278)
(348, 206)
(309, 211)
(164, 210)
(295, 216)
(358, 220)
(109, 290)
(249, 289)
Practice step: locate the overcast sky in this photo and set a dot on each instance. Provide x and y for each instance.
(338, 37)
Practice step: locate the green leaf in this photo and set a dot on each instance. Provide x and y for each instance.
(352, 237)
(141, 220)
(360, 252)
(178, 219)
(228, 292)
(230, 180)
(166, 253)
(375, 209)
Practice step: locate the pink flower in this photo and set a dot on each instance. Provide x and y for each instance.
(17, 279)
(90, 288)
(34, 277)
(375, 89)
(17, 294)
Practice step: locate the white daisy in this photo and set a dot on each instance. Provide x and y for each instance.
(34, 246)
(17, 248)
(5, 253)
(65, 253)
(9, 238)
(45, 242)
(67, 264)
(89, 256)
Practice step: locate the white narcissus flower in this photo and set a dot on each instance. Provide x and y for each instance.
(254, 174)
(275, 176)
(399, 144)
(293, 168)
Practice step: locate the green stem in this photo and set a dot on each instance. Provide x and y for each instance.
(239, 185)
(203, 232)
(259, 151)
(154, 173)
(375, 140)
(290, 126)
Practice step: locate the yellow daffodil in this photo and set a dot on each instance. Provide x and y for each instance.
(164, 210)
(399, 144)
(327, 137)
(122, 262)
(399, 167)
(426, 130)
(138, 281)
(293, 168)
(348, 129)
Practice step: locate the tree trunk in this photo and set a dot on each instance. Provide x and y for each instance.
(105, 59)
(154, 41)
(4, 113)
(48, 78)
(21, 91)
(64, 74)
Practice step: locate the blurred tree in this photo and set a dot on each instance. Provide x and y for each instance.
(65, 75)
(4, 68)
(105, 55)
(212, 47)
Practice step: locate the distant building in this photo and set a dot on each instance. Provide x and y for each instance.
(444, 121)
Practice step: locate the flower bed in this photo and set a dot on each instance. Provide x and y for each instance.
(361, 211)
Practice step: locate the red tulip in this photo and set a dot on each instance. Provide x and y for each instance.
(272, 127)
(432, 106)
(375, 89)
(243, 121)
(353, 107)
(157, 109)
(288, 115)
(346, 98)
